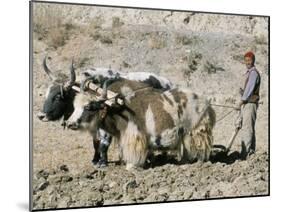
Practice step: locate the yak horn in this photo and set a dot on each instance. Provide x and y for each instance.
(72, 73)
(71, 82)
(47, 70)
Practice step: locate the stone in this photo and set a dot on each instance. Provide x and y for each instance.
(43, 185)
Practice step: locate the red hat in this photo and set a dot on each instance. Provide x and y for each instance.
(251, 55)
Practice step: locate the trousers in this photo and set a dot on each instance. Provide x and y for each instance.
(248, 134)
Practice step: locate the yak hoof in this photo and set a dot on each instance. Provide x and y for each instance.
(130, 166)
(96, 159)
(102, 163)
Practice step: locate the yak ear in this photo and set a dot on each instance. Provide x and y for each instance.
(102, 103)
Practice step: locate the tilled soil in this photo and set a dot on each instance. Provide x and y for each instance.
(58, 188)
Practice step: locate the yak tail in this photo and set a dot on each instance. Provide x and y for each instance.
(199, 141)
(134, 146)
(198, 144)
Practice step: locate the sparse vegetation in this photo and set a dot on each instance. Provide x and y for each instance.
(149, 62)
(261, 40)
(194, 60)
(193, 65)
(234, 45)
(82, 62)
(52, 27)
(116, 22)
(106, 40)
(230, 100)
(238, 57)
(126, 65)
(46, 19)
(187, 72)
(212, 68)
(183, 40)
(186, 20)
(96, 36)
(96, 23)
(57, 37)
(157, 41)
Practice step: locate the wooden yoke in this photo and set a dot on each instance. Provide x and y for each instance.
(96, 89)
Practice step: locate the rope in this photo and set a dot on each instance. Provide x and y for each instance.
(226, 106)
(224, 116)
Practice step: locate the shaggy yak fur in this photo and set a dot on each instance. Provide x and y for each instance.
(60, 95)
(149, 120)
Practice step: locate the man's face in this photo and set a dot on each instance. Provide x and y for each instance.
(248, 62)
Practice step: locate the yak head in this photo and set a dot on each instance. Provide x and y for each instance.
(87, 113)
(59, 97)
(88, 109)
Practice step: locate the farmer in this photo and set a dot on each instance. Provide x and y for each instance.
(248, 105)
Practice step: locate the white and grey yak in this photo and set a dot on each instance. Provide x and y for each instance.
(149, 120)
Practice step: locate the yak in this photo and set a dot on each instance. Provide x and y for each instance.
(148, 120)
(100, 75)
(60, 96)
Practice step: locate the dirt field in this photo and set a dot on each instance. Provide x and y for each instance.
(201, 51)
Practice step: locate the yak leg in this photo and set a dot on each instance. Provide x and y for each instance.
(105, 142)
(180, 152)
(189, 151)
(134, 147)
(96, 144)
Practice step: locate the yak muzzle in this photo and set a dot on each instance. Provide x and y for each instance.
(42, 116)
(72, 125)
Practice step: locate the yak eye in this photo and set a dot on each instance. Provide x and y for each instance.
(58, 97)
(87, 107)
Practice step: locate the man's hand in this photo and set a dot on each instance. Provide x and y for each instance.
(238, 107)
(241, 91)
